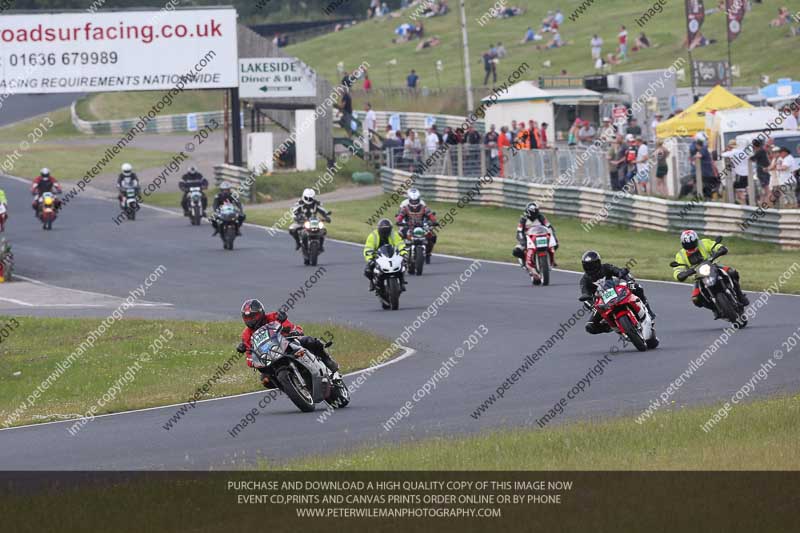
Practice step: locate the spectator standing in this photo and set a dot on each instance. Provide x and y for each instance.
(489, 67)
(503, 148)
(490, 141)
(586, 133)
(432, 141)
(572, 134)
(346, 107)
(412, 79)
(662, 168)
(613, 163)
(634, 128)
(543, 135)
(761, 160)
(790, 122)
(367, 83)
(707, 168)
(738, 167)
(785, 167)
(534, 136)
(597, 47)
(501, 51)
(642, 164)
(622, 37)
(412, 149)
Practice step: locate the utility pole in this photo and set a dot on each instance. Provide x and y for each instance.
(467, 69)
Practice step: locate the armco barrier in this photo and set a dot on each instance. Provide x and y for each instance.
(775, 226)
(160, 124)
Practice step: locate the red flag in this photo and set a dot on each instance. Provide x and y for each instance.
(735, 10)
(695, 15)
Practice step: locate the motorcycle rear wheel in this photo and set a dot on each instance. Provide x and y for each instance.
(633, 335)
(304, 402)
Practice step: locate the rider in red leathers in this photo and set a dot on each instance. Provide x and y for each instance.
(254, 317)
(43, 183)
(414, 213)
(530, 217)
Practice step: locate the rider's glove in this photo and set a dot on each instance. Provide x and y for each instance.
(241, 348)
(683, 275)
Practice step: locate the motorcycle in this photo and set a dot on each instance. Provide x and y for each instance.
(389, 267)
(716, 285)
(417, 245)
(539, 252)
(227, 218)
(311, 240)
(3, 217)
(6, 261)
(624, 312)
(195, 205)
(130, 202)
(47, 210)
(301, 375)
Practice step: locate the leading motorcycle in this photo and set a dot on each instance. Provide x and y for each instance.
(624, 312)
(311, 240)
(195, 205)
(6, 261)
(130, 202)
(297, 372)
(227, 219)
(389, 267)
(46, 210)
(539, 253)
(716, 285)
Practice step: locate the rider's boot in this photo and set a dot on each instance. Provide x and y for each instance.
(321, 244)
(216, 228)
(297, 244)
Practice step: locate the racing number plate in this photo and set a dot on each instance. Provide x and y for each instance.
(608, 295)
(542, 241)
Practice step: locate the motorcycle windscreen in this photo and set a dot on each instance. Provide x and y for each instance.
(386, 250)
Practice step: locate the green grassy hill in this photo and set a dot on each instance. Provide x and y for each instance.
(759, 49)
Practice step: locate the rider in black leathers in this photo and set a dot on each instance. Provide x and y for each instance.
(192, 178)
(594, 270)
(307, 207)
(225, 195)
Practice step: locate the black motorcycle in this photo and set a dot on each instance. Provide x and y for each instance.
(716, 285)
(311, 240)
(195, 205)
(417, 245)
(297, 372)
(227, 222)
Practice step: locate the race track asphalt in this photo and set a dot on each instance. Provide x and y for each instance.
(89, 252)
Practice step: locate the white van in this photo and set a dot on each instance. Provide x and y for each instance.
(723, 126)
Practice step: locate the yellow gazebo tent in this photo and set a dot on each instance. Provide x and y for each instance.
(693, 119)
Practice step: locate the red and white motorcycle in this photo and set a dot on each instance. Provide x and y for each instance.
(539, 253)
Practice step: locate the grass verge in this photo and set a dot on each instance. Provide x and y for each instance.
(286, 185)
(117, 106)
(62, 127)
(488, 233)
(70, 163)
(760, 435)
(171, 375)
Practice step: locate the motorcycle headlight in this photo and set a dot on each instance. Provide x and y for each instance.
(307, 224)
(321, 225)
(704, 270)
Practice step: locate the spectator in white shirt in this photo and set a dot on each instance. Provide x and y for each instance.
(431, 141)
(586, 133)
(790, 122)
(597, 47)
(642, 164)
(738, 161)
(786, 166)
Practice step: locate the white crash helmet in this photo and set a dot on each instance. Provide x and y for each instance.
(127, 168)
(689, 239)
(701, 136)
(308, 196)
(414, 196)
(45, 172)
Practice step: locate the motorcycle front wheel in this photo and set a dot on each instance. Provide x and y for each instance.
(296, 392)
(632, 333)
(726, 307)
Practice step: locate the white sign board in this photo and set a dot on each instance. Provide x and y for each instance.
(276, 77)
(118, 51)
